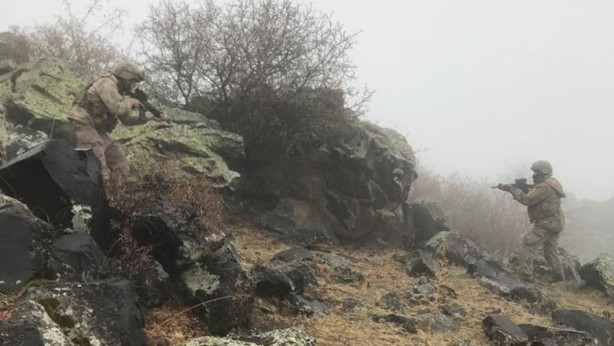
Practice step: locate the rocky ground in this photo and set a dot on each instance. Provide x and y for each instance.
(350, 307)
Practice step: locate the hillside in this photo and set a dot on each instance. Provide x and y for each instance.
(382, 274)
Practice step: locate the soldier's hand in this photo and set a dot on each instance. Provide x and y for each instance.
(159, 119)
(134, 103)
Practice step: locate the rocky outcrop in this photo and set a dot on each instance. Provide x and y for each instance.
(354, 191)
(456, 248)
(38, 97)
(195, 146)
(541, 268)
(599, 274)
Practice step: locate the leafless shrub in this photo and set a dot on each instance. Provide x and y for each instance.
(490, 217)
(260, 67)
(83, 40)
(194, 195)
(133, 261)
(14, 45)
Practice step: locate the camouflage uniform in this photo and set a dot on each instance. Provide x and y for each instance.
(94, 115)
(544, 207)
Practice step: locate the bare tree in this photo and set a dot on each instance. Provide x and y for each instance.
(254, 65)
(85, 40)
(491, 218)
(177, 42)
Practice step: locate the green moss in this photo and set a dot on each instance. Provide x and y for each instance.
(47, 89)
(195, 149)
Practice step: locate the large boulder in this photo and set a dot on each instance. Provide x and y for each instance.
(195, 145)
(541, 268)
(40, 94)
(51, 178)
(500, 281)
(343, 189)
(503, 331)
(599, 274)
(25, 248)
(455, 247)
(97, 313)
(600, 328)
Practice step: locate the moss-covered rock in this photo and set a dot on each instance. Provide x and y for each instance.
(285, 337)
(195, 147)
(599, 274)
(41, 95)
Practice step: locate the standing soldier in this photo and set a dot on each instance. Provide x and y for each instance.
(543, 202)
(95, 113)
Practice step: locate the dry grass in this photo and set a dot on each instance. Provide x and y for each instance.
(169, 322)
(149, 185)
(383, 275)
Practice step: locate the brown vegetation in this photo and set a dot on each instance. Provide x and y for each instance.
(382, 275)
(491, 218)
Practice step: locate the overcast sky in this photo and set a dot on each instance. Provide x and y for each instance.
(479, 87)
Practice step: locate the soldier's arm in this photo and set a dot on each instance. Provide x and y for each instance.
(118, 104)
(537, 194)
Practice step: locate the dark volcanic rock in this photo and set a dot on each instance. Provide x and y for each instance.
(85, 314)
(493, 276)
(436, 321)
(599, 274)
(278, 278)
(503, 331)
(457, 248)
(52, 176)
(406, 322)
(14, 333)
(25, 247)
(599, 327)
(427, 221)
(557, 336)
(418, 263)
(76, 255)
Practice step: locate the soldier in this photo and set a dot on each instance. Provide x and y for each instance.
(95, 113)
(543, 202)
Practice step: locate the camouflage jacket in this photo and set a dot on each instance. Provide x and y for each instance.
(543, 202)
(101, 105)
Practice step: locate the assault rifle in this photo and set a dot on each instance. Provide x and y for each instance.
(519, 183)
(145, 105)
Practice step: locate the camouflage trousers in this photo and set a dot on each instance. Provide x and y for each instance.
(114, 165)
(536, 240)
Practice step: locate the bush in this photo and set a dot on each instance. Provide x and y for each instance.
(265, 69)
(80, 40)
(489, 217)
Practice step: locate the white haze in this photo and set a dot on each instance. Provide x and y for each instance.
(479, 87)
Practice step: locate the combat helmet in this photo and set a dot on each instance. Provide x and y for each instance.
(542, 166)
(128, 71)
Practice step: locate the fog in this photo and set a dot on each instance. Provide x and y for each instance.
(479, 87)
